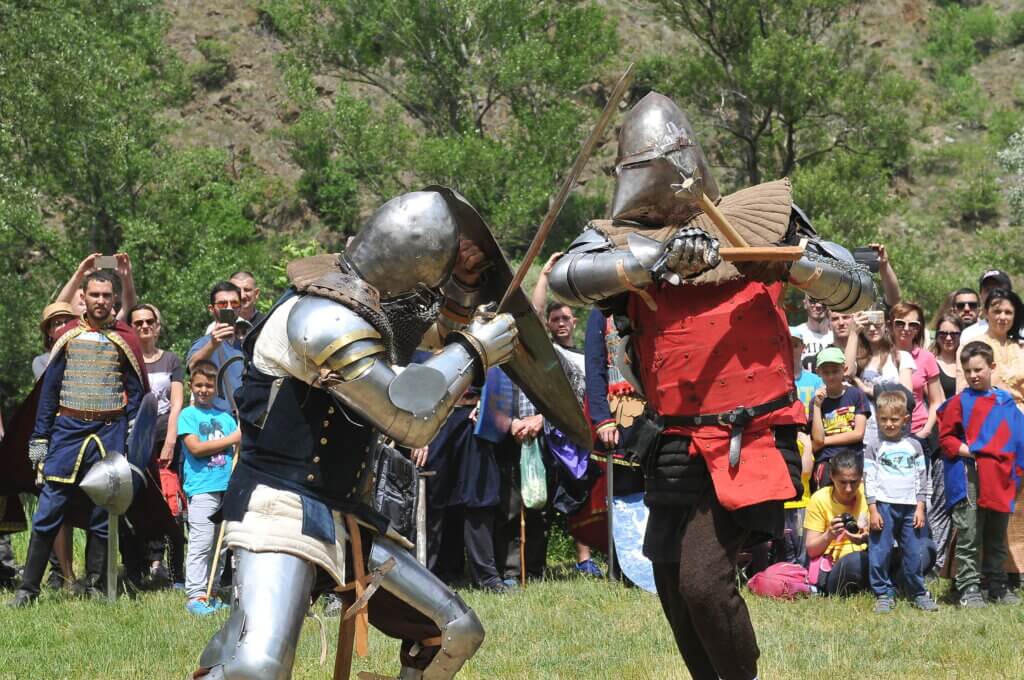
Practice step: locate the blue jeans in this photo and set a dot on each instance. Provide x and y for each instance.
(898, 524)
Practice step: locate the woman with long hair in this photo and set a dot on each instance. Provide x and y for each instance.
(872, 360)
(1005, 314)
(166, 382)
(907, 330)
(946, 340)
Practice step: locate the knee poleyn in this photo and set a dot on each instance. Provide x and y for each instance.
(253, 664)
(460, 639)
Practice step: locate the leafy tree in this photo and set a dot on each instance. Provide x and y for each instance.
(79, 87)
(1012, 160)
(787, 84)
(483, 93)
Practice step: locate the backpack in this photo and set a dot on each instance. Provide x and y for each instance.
(782, 581)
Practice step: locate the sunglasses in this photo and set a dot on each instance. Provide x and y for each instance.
(144, 322)
(225, 304)
(966, 305)
(900, 324)
(947, 335)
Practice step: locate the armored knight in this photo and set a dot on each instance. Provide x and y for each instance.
(323, 381)
(91, 390)
(709, 349)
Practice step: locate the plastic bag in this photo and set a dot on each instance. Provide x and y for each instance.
(532, 476)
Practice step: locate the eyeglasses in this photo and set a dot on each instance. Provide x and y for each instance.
(144, 322)
(966, 305)
(225, 304)
(947, 335)
(900, 324)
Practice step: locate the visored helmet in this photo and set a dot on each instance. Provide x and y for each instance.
(657, 153)
(409, 243)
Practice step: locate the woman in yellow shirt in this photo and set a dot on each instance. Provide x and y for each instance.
(839, 558)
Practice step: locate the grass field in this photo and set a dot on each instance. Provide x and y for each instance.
(561, 628)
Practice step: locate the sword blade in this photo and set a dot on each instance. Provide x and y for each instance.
(570, 181)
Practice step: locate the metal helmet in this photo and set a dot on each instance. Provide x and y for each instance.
(108, 483)
(658, 152)
(408, 243)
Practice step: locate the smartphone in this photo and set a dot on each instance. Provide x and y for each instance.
(106, 262)
(867, 256)
(227, 315)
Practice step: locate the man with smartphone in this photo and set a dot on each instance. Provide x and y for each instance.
(222, 342)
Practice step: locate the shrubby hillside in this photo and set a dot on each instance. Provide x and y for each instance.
(202, 137)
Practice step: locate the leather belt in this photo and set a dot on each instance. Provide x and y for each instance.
(106, 416)
(736, 420)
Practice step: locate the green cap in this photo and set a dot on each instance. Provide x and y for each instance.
(831, 355)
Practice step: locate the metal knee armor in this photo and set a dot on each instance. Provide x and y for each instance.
(461, 630)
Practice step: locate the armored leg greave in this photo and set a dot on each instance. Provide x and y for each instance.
(461, 631)
(258, 640)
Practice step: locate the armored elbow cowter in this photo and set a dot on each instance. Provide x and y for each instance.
(409, 405)
(828, 272)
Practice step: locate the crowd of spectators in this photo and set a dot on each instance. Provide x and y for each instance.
(900, 482)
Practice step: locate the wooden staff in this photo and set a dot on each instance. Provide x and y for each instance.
(421, 517)
(522, 545)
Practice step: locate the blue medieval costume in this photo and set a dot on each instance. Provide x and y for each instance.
(90, 391)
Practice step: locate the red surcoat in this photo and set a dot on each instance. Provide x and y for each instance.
(709, 349)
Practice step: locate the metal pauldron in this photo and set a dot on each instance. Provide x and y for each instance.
(327, 333)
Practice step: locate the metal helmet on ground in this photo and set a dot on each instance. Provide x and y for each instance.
(108, 483)
(409, 243)
(658, 152)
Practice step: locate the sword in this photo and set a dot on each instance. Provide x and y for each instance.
(570, 181)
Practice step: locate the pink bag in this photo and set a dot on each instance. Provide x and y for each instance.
(782, 580)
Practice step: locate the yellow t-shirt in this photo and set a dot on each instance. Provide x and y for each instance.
(805, 480)
(820, 511)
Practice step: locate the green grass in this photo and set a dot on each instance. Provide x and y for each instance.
(571, 628)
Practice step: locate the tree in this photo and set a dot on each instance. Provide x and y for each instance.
(786, 84)
(1012, 160)
(484, 98)
(79, 87)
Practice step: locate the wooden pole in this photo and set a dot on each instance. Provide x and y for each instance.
(522, 545)
(113, 521)
(421, 517)
(728, 231)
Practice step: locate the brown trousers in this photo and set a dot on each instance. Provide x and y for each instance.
(700, 599)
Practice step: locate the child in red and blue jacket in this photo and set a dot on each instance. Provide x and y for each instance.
(981, 432)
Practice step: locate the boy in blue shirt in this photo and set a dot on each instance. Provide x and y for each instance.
(209, 436)
(897, 486)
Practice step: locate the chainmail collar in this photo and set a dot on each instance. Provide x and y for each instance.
(410, 316)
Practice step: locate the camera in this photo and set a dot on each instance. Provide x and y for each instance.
(849, 523)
